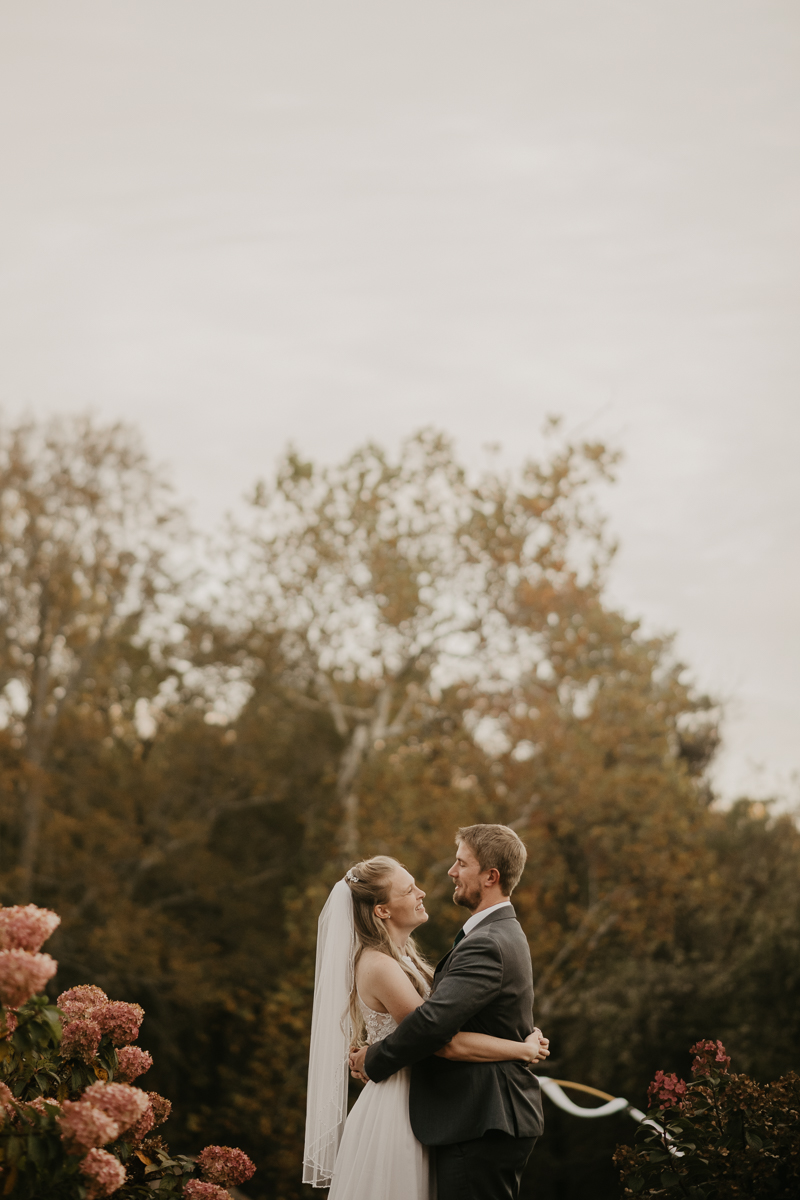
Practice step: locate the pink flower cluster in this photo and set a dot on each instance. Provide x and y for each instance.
(41, 1104)
(105, 1111)
(709, 1056)
(83, 1126)
(225, 1165)
(669, 1089)
(26, 927)
(8, 1022)
(124, 1104)
(121, 1021)
(23, 971)
(195, 1189)
(161, 1107)
(156, 1113)
(104, 1174)
(78, 1001)
(81, 1039)
(140, 1130)
(133, 1062)
(88, 1014)
(22, 975)
(6, 1098)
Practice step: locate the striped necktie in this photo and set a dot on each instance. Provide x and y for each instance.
(459, 938)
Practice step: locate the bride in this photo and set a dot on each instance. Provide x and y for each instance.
(369, 976)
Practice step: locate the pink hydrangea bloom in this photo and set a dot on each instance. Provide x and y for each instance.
(142, 1127)
(223, 1164)
(132, 1062)
(84, 1126)
(6, 1098)
(121, 1102)
(156, 1113)
(195, 1189)
(8, 1022)
(161, 1107)
(81, 1039)
(120, 1020)
(26, 927)
(104, 1174)
(22, 975)
(44, 1105)
(78, 1001)
(709, 1056)
(669, 1089)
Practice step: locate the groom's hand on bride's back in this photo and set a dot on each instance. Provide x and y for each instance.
(357, 1064)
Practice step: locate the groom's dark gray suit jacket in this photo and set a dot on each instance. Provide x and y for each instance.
(484, 985)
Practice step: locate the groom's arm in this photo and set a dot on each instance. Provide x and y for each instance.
(473, 979)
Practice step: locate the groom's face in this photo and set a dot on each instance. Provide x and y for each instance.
(466, 875)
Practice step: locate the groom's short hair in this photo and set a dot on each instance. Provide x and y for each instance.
(499, 847)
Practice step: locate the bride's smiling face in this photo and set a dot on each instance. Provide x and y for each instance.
(404, 908)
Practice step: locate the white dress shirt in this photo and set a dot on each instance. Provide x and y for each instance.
(476, 918)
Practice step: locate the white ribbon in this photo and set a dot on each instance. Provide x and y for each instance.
(555, 1092)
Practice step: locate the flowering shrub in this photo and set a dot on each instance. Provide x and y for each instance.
(22, 974)
(72, 1126)
(83, 1126)
(120, 1021)
(132, 1062)
(195, 1189)
(79, 1001)
(221, 1164)
(81, 1039)
(716, 1136)
(104, 1174)
(668, 1090)
(26, 927)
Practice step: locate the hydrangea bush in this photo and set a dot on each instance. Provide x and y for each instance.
(717, 1136)
(72, 1124)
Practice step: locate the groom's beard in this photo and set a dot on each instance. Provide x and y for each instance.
(468, 899)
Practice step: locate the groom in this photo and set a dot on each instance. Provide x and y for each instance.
(481, 1119)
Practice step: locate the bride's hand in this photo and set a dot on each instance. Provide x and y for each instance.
(357, 1064)
(539, 1046)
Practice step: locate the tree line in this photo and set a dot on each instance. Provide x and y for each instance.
(197, 739)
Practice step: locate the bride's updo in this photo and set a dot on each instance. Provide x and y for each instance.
(370, 883)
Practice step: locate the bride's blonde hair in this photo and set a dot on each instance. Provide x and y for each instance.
(370, 884)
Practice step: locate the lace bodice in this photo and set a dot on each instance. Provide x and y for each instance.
(380, 1025)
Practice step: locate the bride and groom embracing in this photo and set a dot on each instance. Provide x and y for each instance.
(451, 1109)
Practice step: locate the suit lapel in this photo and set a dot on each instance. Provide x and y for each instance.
(502, 914)
(441, 965)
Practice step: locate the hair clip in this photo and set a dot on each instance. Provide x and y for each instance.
(351, 878)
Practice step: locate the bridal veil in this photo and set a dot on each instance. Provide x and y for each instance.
(328, 1073)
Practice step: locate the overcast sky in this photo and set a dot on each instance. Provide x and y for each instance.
(242, 223)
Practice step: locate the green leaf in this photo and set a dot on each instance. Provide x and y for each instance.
(753, 1140)
(36, 1150)
(669, 1179)
(635, 1183)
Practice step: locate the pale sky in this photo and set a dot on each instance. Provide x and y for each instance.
(243, 223)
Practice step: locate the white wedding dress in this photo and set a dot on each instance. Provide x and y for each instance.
(379, 1158)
